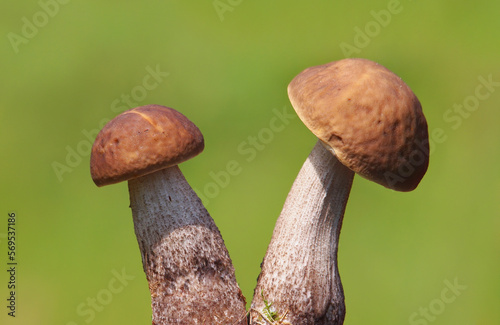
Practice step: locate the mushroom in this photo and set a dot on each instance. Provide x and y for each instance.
(369, 122)
(190, 274)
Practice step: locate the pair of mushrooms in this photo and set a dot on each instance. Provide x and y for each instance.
(367, 120)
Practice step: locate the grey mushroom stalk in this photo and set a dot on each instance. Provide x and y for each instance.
(300, 273)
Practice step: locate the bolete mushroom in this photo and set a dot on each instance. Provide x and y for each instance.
(369, 122)
(190, 274)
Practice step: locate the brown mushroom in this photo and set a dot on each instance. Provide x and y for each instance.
(190, 274)
(369, 122)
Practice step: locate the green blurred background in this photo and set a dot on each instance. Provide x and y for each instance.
(68, 66)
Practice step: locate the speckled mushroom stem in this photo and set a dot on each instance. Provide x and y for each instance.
(190, 274)
(299, 273)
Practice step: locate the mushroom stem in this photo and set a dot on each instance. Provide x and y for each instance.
(190, 274)
(299, 273)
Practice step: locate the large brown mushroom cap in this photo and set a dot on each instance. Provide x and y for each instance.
(368, 116)
(141, 141)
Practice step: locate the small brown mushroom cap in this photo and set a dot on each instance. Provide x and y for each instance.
(369, 118)
(141, 141)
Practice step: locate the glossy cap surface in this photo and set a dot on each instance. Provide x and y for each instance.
(368, 117)
(141, 141)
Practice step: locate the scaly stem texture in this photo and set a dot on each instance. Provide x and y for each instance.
(299, 272)
(190, 274)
